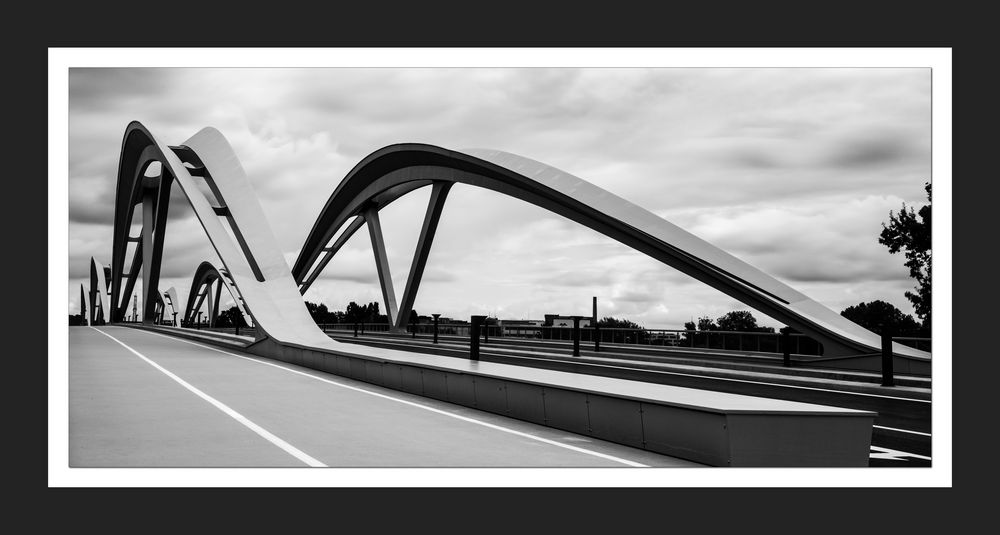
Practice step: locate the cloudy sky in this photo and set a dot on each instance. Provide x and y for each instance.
(791, 170)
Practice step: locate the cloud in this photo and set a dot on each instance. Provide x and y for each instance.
(792, 170)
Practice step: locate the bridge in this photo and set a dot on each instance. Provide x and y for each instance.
(293, 375)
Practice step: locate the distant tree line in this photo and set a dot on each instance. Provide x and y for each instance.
(354, 313)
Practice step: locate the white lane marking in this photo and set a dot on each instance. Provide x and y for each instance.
(711, 377)
(902, 430)
(292, 450)
(894, 455)
(417, 405)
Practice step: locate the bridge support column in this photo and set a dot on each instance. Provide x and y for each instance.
(155, 202)
(439, 193)
(382, 264)
(214, 320)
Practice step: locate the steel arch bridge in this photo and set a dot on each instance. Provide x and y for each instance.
(270, 294)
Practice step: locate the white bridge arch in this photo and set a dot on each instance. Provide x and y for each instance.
(236, 226)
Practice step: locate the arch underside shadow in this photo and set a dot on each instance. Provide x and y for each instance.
(272, 295)
(394, 171)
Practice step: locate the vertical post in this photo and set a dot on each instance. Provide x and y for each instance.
(237, 321)
(597, 337)
(786, 348)
(887, 357)
(436, 316)
(486, 332)
(199, 320)
(593, 314)
(175, 319)
(355, 329)
(576, 335)
(476, 321)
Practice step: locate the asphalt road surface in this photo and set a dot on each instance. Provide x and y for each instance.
(141, 399)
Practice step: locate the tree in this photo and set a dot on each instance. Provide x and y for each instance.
(741, 320)
(354, 313)
(369, 313)
(876, 315)
(635, 334)
(910, 232)
(615, 323)
(231, 317)
(737, 320)
(319, 312)
(705, 323)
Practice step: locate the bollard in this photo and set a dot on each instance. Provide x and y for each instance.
(237, 327)
(474, 337)
(436, 316)
(576, 334)
(597, 339)
(887, 358)
(786, 348)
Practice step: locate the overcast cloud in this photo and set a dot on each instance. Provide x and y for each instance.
(791, 170)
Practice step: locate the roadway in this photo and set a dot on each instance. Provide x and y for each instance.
(142, 399)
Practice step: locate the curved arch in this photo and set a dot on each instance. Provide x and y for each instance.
(99, 300)
(171, 301)
(237, 228)
(83, 305)
(393, 171)
(201, 285)
(231, 217)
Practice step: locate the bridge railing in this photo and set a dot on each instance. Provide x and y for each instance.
(745, 341)
(737, 341)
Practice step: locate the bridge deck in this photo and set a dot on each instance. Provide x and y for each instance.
(128, 410)
(709, 427)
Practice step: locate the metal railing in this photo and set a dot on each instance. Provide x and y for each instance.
(745, 341)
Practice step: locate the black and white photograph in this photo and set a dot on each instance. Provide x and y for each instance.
(659, 268)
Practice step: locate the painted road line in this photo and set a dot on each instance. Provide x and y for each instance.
(291, 450)
(417, 405)
(902, 430)
(894, 455)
